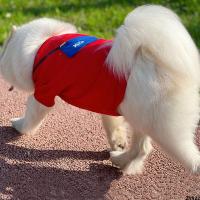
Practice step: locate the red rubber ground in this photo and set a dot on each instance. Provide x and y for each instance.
(67, 160)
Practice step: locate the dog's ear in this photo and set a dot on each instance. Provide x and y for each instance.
(14, 28)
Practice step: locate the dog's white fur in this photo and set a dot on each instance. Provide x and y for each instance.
(156, 54)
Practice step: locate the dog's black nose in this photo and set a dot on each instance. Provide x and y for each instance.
(11, 88)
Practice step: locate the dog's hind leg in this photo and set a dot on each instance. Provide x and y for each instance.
(175, 127)
(116, 129)
(171, 122)
(132, 160)
(35, 113)
(165, 106)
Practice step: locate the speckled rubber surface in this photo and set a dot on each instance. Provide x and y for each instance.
(67, 160)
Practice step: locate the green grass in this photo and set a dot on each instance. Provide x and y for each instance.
(96, 17)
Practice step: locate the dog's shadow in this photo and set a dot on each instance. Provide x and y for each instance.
(21, 179)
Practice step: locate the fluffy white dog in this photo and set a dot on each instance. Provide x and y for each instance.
(160, 61)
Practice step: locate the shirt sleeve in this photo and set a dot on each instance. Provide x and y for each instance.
(45, 94)
(47, 88)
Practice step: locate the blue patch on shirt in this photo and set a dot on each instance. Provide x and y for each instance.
(73, 46)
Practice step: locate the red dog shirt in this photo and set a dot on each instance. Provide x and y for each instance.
(72, 66)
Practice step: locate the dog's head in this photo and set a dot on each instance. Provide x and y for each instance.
(3, 50)
(5, 70)
(19, 50)
(12, 67)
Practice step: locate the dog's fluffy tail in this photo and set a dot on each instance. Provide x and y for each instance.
(156, 31)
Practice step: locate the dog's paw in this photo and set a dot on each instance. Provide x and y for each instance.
(17, 123)
(134, 167)
(123, 161)
(119, 159)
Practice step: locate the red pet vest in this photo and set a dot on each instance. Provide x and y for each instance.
(72, 66)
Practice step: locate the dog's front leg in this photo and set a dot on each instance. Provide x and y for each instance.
(116, 129)
(35, 113)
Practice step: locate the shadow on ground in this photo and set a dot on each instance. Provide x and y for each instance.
(8, 134)
(22, 178)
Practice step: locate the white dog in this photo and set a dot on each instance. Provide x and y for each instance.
(160, 62)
